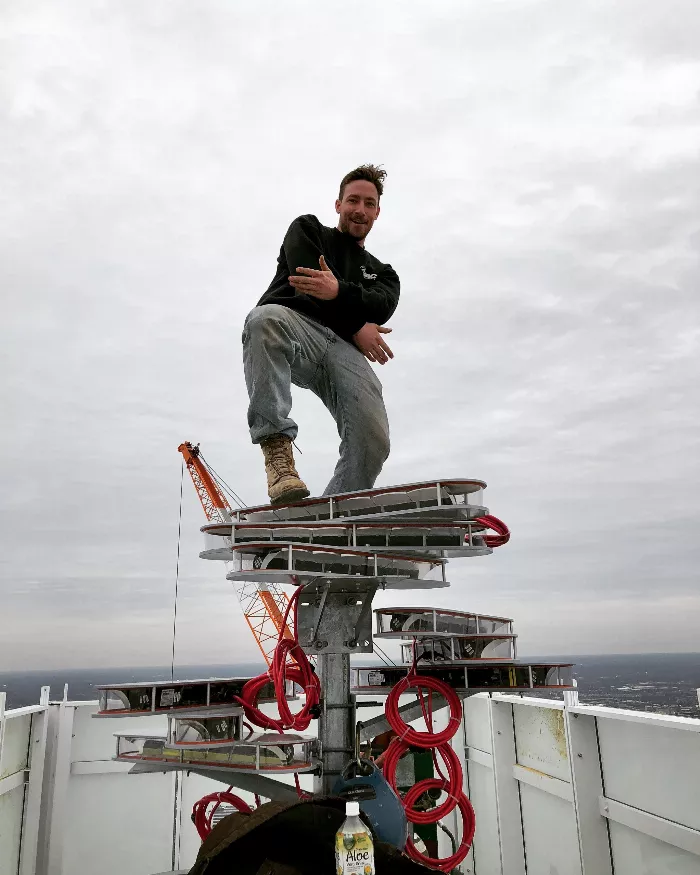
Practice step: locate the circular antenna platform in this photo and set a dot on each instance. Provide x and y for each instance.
(474, 648)
(437, 623)
(439, 540)
(265, 752)
(174, 698)
(207, 730)
(458, 499)
(466, 678)
(289, 562)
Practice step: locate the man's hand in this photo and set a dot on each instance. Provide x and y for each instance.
(319, 284)
(371, 344)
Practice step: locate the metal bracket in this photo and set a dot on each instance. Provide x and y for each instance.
(314, 636)
(334, 616)
(362, 621)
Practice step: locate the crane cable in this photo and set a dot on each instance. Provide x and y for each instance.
(177, 570)
(222, 483)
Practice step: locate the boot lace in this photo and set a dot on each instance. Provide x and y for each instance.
(279, 452)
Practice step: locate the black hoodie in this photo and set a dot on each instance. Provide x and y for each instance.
(368, 291)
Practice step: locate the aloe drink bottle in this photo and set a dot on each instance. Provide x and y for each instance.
(354, 848)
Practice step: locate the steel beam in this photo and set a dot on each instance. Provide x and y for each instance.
(253, 782)
(411, 711)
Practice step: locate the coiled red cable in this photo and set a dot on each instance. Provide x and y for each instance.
(281, 671)
(202, 818)
(452, 785)
(412, 736)
(446, 864)
(502, 535)
(439, 743)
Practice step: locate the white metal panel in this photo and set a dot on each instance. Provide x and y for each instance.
(33, 795)
(593, 838)
(510, 827)
(193, 788)
(482, 793)
(99, 802)
(11, 805)
(55, 788)
(15, 744)
(477, 721)
(116, 824)
(637, 854)
(540, 740)
(93, 737)
(549, 825)
(14, 747)
(453, 821)
(686, 724)
(652, 767)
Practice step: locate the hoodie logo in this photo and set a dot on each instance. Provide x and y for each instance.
(368, 276)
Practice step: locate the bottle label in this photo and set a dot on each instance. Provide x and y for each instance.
(354, 853)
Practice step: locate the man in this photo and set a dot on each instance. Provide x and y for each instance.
(317, 326)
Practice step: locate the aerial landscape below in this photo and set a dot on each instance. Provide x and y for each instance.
(665, 683)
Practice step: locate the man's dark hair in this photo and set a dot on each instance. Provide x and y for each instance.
(371, 172)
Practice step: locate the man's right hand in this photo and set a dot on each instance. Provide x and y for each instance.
(371, 344)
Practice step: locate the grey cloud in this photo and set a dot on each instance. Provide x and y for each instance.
(541, 210)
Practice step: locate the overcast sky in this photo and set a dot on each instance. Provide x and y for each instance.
(542, 209)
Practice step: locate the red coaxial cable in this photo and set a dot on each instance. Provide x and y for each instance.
(492, 522)
(412, 736)
(281, 671)
(446, 864)
(439, 743)
(203, 819)
(452, 786)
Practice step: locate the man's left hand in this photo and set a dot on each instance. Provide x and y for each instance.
(319, 284)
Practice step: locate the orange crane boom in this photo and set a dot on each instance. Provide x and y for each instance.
(263, 605)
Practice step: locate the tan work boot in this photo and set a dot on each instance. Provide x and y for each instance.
(283, 482)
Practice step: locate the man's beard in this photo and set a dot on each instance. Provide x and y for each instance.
(345, 228)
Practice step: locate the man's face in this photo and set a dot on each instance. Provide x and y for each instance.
(358, 209)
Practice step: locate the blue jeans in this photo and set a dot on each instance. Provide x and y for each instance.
(281, 347)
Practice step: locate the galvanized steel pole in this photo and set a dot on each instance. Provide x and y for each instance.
(336, 729)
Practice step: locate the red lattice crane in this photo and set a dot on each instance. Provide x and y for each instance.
(263, 604)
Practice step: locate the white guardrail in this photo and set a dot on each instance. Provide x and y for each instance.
(558, 787)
